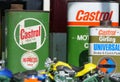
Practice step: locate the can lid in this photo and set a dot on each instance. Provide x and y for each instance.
(105, 23)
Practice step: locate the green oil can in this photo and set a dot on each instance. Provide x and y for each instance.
(27, 40)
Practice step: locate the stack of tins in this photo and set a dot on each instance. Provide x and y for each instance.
(82, 15)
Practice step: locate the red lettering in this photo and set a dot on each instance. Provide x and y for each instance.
(21, 34)
(91, 16)
(78, 16)
(29, 59)
(29, 34)
(86, 16)
(97, 15)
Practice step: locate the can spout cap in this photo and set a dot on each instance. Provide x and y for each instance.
(106, 23)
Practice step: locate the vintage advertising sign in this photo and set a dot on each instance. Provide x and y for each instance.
(90, 13)
(104, 41)
(27, 39)
(105, 48)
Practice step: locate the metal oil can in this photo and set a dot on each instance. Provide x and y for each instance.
(27, 40)
(105, 47)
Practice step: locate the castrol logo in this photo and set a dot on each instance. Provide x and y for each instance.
(91, 16)
(107, 32)
(30, 34)
(87, 18)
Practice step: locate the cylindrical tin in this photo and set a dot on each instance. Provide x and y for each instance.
(78, 38)
(27, 39)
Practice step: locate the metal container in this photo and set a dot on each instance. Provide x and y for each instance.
(105, 47)
(81, 15)
(27, 40)
(78, 38)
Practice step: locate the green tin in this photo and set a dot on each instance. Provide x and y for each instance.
(27, 39)
(78, 38)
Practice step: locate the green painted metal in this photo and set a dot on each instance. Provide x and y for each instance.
(78, 38)
(27, 39)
